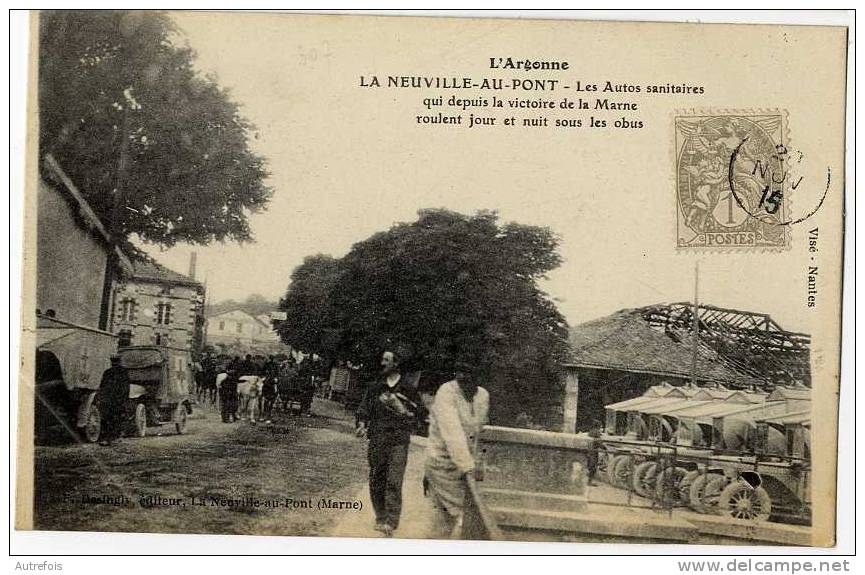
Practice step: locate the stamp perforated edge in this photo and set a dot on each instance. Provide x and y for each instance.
(673, 183)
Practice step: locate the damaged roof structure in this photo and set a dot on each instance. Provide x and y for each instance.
(620, 356)
(735, 348)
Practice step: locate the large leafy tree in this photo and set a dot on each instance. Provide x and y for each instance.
(448, 287)
(308, 306)
(157, 149)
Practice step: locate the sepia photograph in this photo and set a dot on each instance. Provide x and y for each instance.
(432, 278)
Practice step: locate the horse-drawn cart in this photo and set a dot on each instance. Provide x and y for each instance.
(159, 386)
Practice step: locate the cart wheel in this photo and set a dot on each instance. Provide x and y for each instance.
(604, 460)
(685, 486)
(623, 465)
(92, 428)
(741, 501)
(667, 485)
(643, 480)
(612, 460)
(140, 420)
(704, 492)
(180, 419)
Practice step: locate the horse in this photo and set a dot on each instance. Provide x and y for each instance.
(249, 393)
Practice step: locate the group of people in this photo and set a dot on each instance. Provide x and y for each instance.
(388, 414)
(280, 378)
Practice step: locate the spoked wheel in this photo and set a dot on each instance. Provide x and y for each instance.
(704, 492)
(140, 420)
(93, 424)
(685, 486)
(604, 460)
(643, 480)
(623, 465)
(612, 460)
(741, 501)
(667, 485)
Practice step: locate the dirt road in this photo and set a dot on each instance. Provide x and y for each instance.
(298, 476)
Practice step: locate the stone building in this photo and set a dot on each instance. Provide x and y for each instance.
(239, 332)
(158, 306)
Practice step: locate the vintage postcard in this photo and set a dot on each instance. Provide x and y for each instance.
(432, 278)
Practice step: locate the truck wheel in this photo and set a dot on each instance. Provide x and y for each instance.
(643, 480)
(180, 419)
(741, 501)
(604, 459)
(704, 492)
(685, 486)
(140, 420)
(667, 484)
(612, 460)
(623, 465)
(92, 427)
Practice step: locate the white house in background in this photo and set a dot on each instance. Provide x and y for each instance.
(242, 332)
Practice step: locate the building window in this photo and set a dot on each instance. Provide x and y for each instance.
(163, 313)
(239, 327)
(127, 309)
(124, 338)
(222, 326)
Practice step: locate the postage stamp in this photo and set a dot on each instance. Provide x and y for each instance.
(727, 193)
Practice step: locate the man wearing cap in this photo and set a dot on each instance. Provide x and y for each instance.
(113, 400)
(388, 414)
(457, 416)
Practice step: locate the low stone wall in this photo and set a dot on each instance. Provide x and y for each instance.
(534, 461)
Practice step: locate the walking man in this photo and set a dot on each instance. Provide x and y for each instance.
(228, 396)
(387, 415)
(458, 414)
(113, 400)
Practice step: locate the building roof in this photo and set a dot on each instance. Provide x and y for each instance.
(625, 341)
(149, 270)
(235, 314)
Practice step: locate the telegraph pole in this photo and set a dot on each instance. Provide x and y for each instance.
(696, 323)
(114, 224)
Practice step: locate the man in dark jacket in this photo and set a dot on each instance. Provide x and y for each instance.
(228, 395)
(388, 414)
(113, 400)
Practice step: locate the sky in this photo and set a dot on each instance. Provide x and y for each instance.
(347, 163)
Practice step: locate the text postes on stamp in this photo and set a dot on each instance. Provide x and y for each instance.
(724, 205)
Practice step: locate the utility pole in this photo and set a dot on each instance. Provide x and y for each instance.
(114, 224)
(695, 329)
(120, 175)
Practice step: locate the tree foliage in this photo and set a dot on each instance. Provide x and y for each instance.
(450, 288)
(308, 307)
(189, 175)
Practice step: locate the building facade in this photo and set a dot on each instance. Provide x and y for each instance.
(158, 306)
(239, 332)
(75, 257)
(77, 264)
